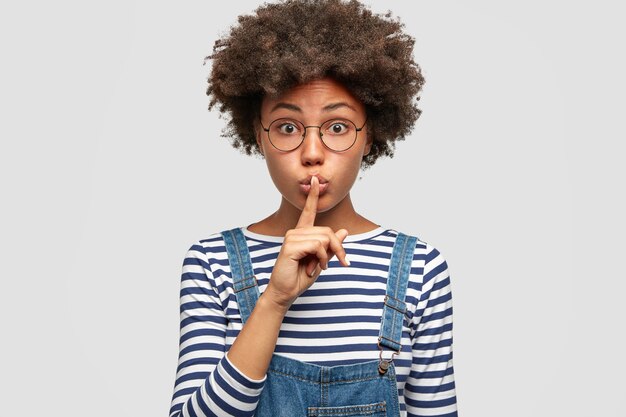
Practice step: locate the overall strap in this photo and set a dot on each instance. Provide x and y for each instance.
(244, 281)
(394, 308)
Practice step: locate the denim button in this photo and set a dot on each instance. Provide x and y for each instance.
(383, 366)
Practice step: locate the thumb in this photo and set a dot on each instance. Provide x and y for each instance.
(341, 255)
(341, 234)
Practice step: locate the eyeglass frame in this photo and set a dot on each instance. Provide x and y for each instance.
(356, 136)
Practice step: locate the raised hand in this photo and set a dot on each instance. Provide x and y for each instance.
(305, 252)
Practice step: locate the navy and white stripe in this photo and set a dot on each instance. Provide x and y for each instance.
(334, 322)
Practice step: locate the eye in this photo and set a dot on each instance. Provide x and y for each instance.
(287, 128)
(338, 128)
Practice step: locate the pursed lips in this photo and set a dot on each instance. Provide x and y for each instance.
(307, 180)
(305, 184)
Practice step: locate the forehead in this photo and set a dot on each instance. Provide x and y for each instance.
(323, 94)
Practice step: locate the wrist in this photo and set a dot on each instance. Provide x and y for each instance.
(272, 304)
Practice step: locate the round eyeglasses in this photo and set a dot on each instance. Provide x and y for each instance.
(337, 134)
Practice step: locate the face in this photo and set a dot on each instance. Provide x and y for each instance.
(313, 104)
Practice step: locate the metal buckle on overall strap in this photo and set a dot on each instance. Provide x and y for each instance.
(245, 283)
(383, 364)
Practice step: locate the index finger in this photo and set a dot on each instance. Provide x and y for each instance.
(307, 217)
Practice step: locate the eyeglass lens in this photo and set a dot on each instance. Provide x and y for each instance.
(288, 134)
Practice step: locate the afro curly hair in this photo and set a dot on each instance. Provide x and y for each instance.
(293, 42)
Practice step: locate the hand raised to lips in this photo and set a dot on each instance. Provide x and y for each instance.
(304, 248)
(307, 219)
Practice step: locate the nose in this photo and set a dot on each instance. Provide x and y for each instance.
(313, 149)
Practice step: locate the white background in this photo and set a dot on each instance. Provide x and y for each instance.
(111, 167)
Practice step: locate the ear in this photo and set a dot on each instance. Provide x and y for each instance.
(259, 143)
(368, 143)
(257, 134)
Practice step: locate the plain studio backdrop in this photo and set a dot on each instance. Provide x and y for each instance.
(111, 167)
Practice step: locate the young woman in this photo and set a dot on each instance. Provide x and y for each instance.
(315, 310)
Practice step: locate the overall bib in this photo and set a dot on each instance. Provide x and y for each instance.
(294, 388)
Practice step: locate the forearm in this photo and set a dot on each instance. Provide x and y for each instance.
(252, 351)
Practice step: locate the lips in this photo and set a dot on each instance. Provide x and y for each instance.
(305, 184)
(307, 180)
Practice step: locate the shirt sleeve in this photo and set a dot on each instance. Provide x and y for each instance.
(430, 389)
(207, 383)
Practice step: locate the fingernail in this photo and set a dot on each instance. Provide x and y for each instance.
(313, 271)
(347, 260)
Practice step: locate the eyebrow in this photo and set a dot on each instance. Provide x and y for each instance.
(329, 107)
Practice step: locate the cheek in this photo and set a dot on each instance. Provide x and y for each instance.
(279, 170)
(355, 158)
(347, 168)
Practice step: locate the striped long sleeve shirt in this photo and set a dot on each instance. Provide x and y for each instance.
(335, 322)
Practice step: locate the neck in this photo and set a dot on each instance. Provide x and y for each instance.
(342, 216)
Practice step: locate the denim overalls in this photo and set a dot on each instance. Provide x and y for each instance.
(294, 388)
